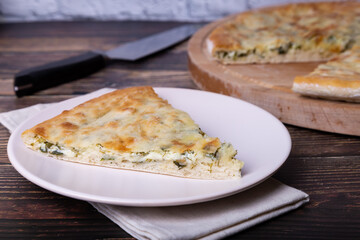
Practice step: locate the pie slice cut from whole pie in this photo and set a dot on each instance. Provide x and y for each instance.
(134, 129)
(338, 79)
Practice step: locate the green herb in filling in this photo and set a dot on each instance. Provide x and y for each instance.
(214, 155)
(56, 152)
(234, 154)
(348, 45)
(107, 157)
(43, 149)
(201, 132)
(180, 164)
(188, 152)
(210, 155)
(165, 148)
(48, 145)
(284, 48)
(242, 54)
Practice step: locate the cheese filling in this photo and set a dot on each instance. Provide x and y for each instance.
(134, 129)
(326, 49)
(315, 29)
(224, 154)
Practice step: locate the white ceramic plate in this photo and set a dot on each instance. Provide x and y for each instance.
(261, 140)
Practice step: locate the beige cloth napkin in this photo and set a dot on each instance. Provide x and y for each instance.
(210, 220)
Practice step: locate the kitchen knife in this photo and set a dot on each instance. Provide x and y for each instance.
(42, 77)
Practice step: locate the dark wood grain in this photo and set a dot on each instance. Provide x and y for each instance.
(269, 86)
(325, 165)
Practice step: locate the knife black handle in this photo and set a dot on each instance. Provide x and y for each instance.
(42, 77)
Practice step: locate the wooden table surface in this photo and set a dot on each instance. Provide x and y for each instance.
(324, 165)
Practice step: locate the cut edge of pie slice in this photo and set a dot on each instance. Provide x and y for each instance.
(338, 79)
(295, 32)
(284, 53)
(134, 129)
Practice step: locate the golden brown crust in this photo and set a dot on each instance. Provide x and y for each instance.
(121, 120)
(302, 27)
(69, 120)
(300, 32)
(327, 81)
(337, 79)
(134, 129)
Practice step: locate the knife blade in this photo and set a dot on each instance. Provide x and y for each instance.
(29, 81)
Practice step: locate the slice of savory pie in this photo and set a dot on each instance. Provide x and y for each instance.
(134, 129)
(337, 79)
(299, 32)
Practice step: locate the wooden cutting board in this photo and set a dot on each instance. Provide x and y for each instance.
(269, 87)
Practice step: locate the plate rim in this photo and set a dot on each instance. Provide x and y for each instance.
(136, 202)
